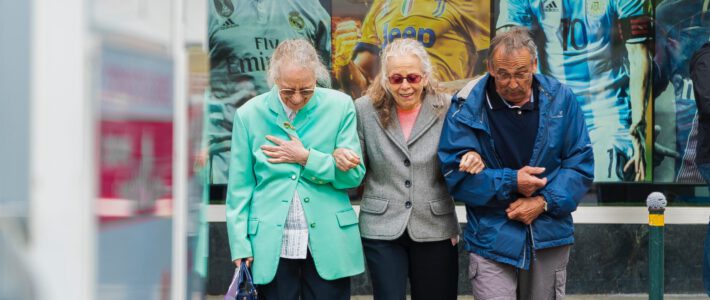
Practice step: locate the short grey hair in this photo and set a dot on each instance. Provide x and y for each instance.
(404, 47)
(515, 38)
(297, 52)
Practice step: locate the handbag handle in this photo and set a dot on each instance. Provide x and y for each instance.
(246, 280)
(236, 279)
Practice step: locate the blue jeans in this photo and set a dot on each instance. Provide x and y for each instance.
(704, 170)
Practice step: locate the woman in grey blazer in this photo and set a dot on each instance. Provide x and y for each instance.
(407, 218)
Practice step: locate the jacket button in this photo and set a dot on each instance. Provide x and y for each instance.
(407, 183)
(306, 199)
(407, 163)
(293, 177)
(408, 204)
(313, 225)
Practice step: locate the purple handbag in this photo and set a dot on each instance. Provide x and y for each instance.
(242, 287)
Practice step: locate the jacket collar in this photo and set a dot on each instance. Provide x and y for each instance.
(425, 119)
(472, 96)
(303, 115)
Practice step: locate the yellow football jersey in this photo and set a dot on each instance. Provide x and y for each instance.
(452, 31)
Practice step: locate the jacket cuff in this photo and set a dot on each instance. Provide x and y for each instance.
(549, 198)
(509, 186)
(241, 250)
(316, 166)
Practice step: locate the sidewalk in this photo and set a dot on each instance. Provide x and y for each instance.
(591, 297)
(569, 297)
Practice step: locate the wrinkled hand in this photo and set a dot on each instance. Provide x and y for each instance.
(637, 161)
(528, 183)
(238, 262)
(285, 151)
(345, 159)
(472, 163)
(454, 240)
(526, 210)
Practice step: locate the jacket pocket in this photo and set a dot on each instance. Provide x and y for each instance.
(346, 217)
(560, 282)
(374, 205)
(442, 207)
(253, 226)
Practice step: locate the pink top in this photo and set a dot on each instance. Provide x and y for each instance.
(407, 119)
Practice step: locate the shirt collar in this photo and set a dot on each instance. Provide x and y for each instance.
(286, 108)
(496, 102)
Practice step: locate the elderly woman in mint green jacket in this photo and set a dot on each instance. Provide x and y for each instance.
(287, 204)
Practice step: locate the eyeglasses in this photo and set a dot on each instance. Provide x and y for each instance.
(505, 78)
(411, 78)
(288, 93)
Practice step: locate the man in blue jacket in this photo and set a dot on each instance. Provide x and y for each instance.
(529, 130)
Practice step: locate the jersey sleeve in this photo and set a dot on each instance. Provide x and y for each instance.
(634, 19)
(476, 17)
(514, 13)
(369, 36)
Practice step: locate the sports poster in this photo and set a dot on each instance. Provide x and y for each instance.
(682, 26)
(456, 34)
(242, 35)
(601, 49)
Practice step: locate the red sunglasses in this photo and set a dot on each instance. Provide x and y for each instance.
(411, 78)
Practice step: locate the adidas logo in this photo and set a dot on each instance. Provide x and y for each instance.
(228, 24)
(551, 7)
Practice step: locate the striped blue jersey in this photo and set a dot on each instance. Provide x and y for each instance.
(580, 48)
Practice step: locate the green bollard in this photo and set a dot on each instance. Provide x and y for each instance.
(656, 203)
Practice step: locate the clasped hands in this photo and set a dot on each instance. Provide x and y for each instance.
(527, 209)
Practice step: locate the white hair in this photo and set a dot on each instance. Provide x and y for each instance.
(297, 52)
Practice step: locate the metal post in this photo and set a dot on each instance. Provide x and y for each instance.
(656, 203)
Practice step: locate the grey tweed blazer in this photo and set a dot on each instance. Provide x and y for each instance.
(404, 188)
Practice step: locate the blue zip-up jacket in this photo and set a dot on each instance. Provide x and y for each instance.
(561, 146)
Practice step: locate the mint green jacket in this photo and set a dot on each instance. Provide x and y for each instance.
(260, 193)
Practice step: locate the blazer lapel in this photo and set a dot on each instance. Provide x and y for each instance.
(306, 115)
(277, 110)
(393, 131)
(426, 118)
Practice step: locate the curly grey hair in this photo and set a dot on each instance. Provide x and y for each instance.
(515, 38)
(297, 52)
(404, 47)
(379, 91)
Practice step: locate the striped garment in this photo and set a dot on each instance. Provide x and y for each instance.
(294, 244)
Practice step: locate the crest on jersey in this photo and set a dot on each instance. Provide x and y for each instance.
(296, 21)
(225, 8)
(596, 8)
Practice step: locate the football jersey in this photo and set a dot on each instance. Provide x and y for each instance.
(242, 35)
(580, 50)
(452, 31)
